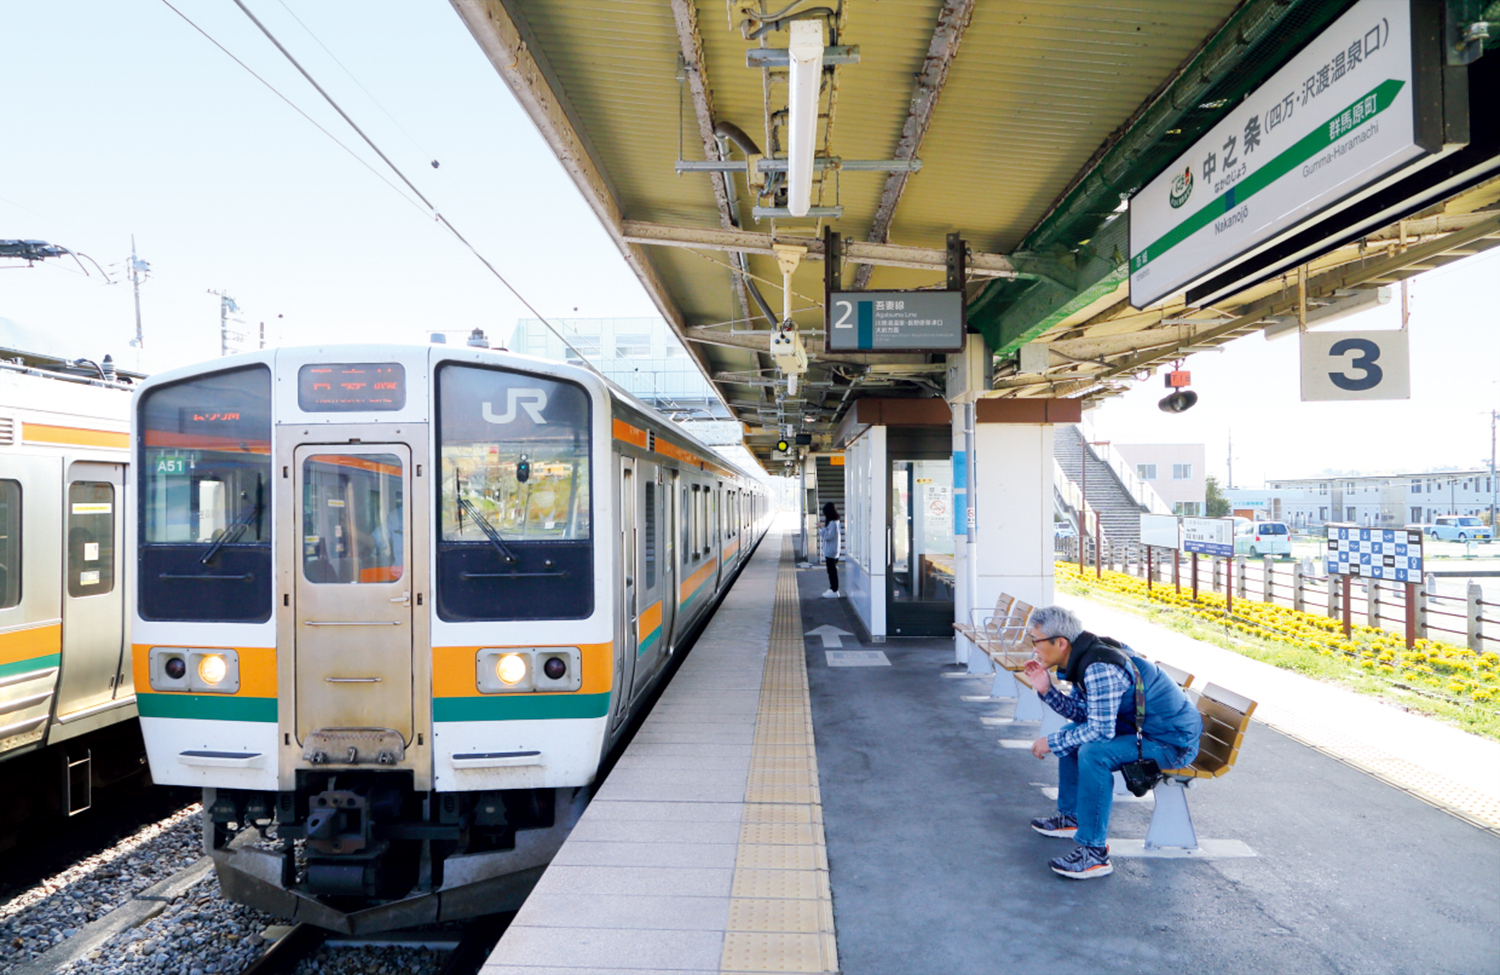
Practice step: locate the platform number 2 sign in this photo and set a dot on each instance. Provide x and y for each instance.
(1356, 365)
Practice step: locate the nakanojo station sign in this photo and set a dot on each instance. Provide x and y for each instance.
(1338, 119)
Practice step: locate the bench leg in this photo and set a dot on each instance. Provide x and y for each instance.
(979, 661)
(1029, 706)
(1171, 823)
(1004, 687)
(1120, 789)
(1051, 721)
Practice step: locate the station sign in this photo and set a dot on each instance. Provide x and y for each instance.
(1208, 536)
(1375, 553)
(895, 321)
(1343, 115)
(1356, 365)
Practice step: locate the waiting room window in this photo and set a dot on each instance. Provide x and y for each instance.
(1146, 472)
(1182, 472)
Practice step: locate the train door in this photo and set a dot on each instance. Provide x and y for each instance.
(353, 607)
(652, 628)
(93, 591)
(671, 570)
(628, 627)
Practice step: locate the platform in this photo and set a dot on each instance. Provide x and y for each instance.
(929, 861)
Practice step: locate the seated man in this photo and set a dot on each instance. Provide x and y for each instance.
(1102, 734)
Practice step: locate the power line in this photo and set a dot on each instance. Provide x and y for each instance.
(397, 170)
(293, 104)
(352, 78)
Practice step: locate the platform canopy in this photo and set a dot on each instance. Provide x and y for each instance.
(1022, 125)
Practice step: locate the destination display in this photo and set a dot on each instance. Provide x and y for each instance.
(351, 387)
(1336, 119)
(895, 321)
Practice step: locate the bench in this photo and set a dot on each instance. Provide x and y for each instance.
(1179, 676)
(1226, 716)
(972, 631)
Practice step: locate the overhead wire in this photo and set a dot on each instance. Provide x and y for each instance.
(363, 162)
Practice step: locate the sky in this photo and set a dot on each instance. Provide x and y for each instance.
(123, 119)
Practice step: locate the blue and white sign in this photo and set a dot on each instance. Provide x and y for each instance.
(1208, 536)
(1375, 553)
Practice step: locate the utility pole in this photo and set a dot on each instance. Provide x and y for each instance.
(1230, 461)
(1493, 414)
(226, 305)
(138, 268)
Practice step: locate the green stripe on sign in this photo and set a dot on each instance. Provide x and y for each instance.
(519, 707)
(207, 707)
(35, 663)
(1287, 160)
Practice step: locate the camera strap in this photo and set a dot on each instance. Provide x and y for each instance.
(1140, 711)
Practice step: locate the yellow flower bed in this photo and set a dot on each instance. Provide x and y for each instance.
(1432, 664)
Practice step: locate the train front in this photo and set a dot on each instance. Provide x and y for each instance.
(373, 621)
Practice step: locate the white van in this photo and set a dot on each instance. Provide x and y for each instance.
(1260, 538)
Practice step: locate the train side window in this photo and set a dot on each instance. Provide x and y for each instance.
(685, 516)
(10, 544)
(91, 538)
(650, 547)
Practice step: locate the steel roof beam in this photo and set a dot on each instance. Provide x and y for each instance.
(858, 252)
(952, 20)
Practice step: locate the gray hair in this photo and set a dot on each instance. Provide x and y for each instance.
(1057, 621)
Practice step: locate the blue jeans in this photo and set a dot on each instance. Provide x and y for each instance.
(1085, 780)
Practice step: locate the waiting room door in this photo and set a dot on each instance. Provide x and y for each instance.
(919, 530)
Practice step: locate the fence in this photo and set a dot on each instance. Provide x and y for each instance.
(1468, 620)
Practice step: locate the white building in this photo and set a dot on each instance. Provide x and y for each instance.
(1175, 471)
(1378, 500)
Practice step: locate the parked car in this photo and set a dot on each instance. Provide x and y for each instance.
(1259, 538)
(1459, 528)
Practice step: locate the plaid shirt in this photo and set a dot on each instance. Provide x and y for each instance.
(1091, 708)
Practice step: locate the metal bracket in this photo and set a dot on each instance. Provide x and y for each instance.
(354, 746)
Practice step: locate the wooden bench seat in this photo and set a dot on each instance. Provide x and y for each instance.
(982, 624)
(1180, 677)
(1226, 717)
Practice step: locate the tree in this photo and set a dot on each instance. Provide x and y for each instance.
(1215, 505)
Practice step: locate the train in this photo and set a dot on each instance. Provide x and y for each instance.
(67, 705)
(395, 604)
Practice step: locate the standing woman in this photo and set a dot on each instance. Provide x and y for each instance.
(828, 539)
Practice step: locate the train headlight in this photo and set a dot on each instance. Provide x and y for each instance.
(511, 668)
(205, 671)
(213, 669)
(515, 670)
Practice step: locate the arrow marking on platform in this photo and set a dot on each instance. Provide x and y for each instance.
(830, 634)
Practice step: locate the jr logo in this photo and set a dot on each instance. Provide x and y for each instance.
(527, 398)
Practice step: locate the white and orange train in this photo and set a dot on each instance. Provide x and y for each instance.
(67, 708)
(399, 602)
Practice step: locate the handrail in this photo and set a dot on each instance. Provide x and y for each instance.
(1141, 492)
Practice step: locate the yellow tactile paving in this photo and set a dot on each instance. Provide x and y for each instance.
(781, 906)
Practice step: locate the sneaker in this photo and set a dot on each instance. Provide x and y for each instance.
(830, 594)
(1061, 826)
(1084, 863)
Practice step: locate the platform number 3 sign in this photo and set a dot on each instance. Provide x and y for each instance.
(1356, 365)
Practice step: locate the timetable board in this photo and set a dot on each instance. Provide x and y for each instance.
(1375, 553)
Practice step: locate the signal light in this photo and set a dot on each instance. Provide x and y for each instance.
(783, 446)
(1178, 402)
(175, 667)
(1181, 398)
(555, 668)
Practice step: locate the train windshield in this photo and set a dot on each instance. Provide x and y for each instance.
(205, 475)
(515, 518)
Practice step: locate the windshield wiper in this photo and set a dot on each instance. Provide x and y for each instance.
(489, 530)
(251, 512)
